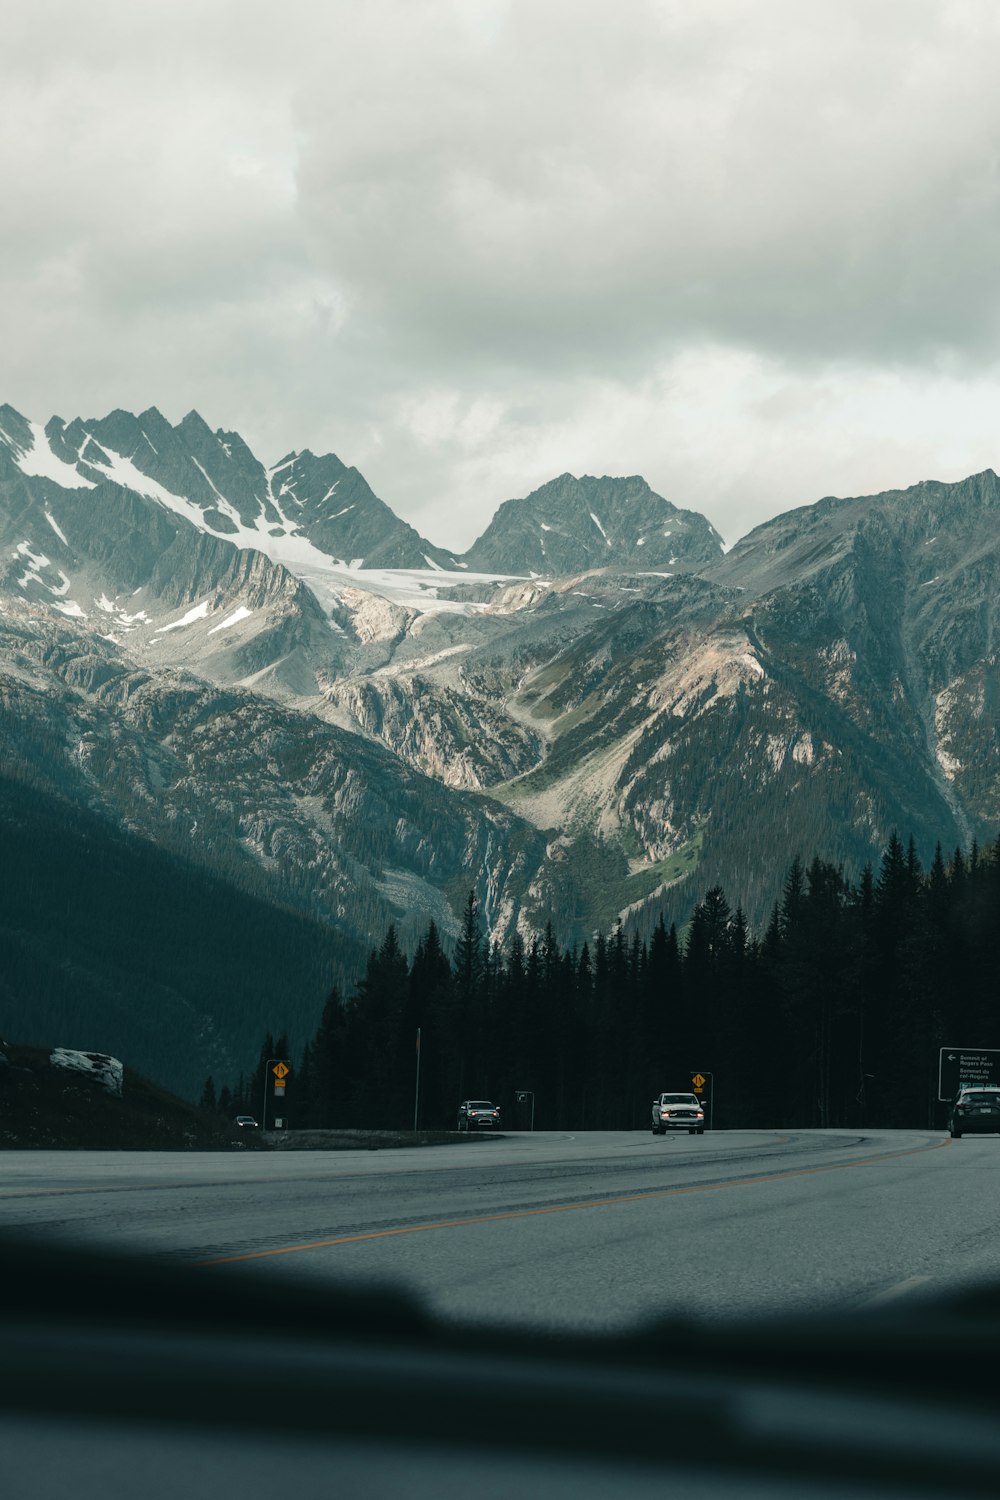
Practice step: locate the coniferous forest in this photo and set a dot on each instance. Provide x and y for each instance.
(831, 1017)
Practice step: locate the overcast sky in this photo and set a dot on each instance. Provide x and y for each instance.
(749, 250)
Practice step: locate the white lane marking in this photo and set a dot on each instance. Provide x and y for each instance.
(901, 1289)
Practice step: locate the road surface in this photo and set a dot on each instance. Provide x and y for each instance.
(587, 1230)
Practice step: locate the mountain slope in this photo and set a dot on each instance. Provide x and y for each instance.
(663, 716)
(112, 944)
(299, 811)
(834, 677)
(213, 479)
(571, 525)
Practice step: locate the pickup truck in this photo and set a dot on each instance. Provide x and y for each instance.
(678, 1112)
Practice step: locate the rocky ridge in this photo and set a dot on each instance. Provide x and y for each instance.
(653, 714)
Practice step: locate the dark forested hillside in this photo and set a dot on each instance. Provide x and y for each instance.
(111, 944)
(832, 1017)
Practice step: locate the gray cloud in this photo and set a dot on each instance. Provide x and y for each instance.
(747, 250)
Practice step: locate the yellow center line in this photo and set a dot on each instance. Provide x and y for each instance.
(565, 1208)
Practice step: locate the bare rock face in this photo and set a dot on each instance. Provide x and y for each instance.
(107, 1072)
(571, 525)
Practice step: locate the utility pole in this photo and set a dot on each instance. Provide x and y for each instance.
(416, 1092)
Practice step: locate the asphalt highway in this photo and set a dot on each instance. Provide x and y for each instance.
(587, 1230)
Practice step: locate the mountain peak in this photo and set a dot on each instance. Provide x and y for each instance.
(571, 524)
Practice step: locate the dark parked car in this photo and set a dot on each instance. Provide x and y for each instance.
(975, 1112)
(478, 1114)
(246, 1122)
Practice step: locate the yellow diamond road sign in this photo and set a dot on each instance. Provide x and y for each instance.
(281, 1071)
(699, 1080)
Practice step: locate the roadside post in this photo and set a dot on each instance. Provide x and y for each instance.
(703, 1084)
(416, 1091)
(522, 1095)
(959, 1067)
(277, 1069)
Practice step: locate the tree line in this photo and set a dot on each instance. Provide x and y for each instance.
(833, 1016)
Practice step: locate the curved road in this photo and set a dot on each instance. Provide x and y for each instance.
(596, 1229)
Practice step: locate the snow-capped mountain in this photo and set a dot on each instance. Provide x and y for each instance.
(592, 714)
(302, 506)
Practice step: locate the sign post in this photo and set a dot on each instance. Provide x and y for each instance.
(522, 1096)
(278, 1067)
(961, 1067)
(416, 1090)
(703, 1084)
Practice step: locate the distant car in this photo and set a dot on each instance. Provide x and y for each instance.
(678, 1112)
(478, 1114)
(246, 1122)
(975, 1112)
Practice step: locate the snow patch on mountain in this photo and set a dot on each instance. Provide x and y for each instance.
(601, 529)
(39, 462)
(242, 613)
(56, 527)
(197, 613)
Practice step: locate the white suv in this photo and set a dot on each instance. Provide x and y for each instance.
(678, 1112)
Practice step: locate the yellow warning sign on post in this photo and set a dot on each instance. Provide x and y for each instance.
(280, 1070)
(698, 1080)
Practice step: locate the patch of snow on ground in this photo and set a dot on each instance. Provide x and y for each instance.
(600, 528)
(107, 1071)
(318, 570)
(237, 615)
(641, 542)
(70, 608)
(197, 613)
(56, 527)
(24, 550)
(225, 508)
(122, 470)
(40, 462)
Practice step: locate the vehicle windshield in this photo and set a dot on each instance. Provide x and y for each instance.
(644, 765)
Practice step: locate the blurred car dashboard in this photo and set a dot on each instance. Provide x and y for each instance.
(127, 1376)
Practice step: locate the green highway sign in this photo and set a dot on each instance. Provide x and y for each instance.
(964, 1067)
